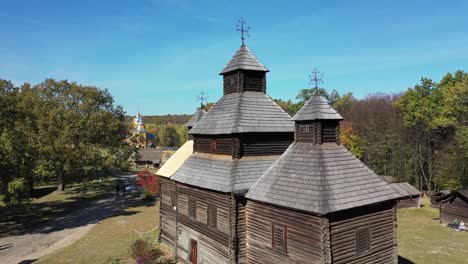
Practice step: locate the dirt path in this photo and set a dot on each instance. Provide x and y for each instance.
(59, 233)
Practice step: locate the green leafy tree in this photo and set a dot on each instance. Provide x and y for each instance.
(78, 129)
(169, 137)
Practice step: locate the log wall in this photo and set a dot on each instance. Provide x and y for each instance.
(304, 235)
(318, 131)
(232, 82)
(224, 145)
(215, 244)
(259, 144)
(454, 209)
(381, 221)
(240, 229)
(248, 144)
(210, 251)
(167, 213)
(409, 202)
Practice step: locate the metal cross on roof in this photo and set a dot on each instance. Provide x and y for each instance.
(315, 78)
(244, 30)
(202, 98)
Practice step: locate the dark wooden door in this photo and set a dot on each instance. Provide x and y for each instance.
(194, 252)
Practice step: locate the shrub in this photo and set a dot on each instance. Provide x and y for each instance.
(17, 192)
(144, 253)
(148, 182)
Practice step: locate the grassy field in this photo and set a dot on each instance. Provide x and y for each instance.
(110, 239)
(421, 239)
(50, 204)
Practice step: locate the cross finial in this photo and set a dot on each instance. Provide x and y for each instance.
(202, 98)
(315, 78)
(244, 30)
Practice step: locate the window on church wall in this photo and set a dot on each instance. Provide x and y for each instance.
(192, 209)
(363, 241)
(213, 145)
(212, 215)
(279, 237)
(306, 128)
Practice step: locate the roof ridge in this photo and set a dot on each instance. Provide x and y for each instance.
(239, 116)
(323, 203)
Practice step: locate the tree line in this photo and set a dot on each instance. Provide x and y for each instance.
(57, 131)
(420, 136)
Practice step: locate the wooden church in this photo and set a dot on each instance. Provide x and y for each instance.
(261, 187)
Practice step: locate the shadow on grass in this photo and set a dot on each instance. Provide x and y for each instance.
(27, 261)
(80, 209)
(402, 260)
(43, 191)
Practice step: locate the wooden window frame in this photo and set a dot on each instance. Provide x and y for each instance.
(213, 145)
(192, 209)
(306, 129)
(283, 247)
(212, 220)
(363, 241)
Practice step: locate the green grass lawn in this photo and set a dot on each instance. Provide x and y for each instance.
(421, 239)
(110, 239)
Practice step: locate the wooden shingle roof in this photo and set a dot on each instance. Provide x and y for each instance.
(196, 117)
(317, 108)
(403, 188)
(320, 179)
(244, 112)
(244, 59)
(221, 172)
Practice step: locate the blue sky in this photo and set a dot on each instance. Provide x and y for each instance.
(156, 56)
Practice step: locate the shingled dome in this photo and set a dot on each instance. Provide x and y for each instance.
(317, 108)
(196, 117)
(320, 176)
(244, 59)
(244, 112)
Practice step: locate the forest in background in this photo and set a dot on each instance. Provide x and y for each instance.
(420, 135)
(63, 132)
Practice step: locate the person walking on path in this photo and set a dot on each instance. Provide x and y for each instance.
(117, 189)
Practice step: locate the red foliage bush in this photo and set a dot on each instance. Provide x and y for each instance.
(148, 181)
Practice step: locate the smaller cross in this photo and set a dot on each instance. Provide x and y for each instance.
(316, 79)
(202, 98)
(243, 29)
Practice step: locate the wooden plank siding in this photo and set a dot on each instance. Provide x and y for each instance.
(248, 144)
(232, 82)
(304, 235)
(381, 221)
(317, 131)
(259, 144)
(167, 213)
(454, 209)
(224, 145)
(409, 202)
(210, 251)
(253, 81)
(240, 229)
(215, 245)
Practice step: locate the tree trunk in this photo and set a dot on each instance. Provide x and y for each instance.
(61, 178)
